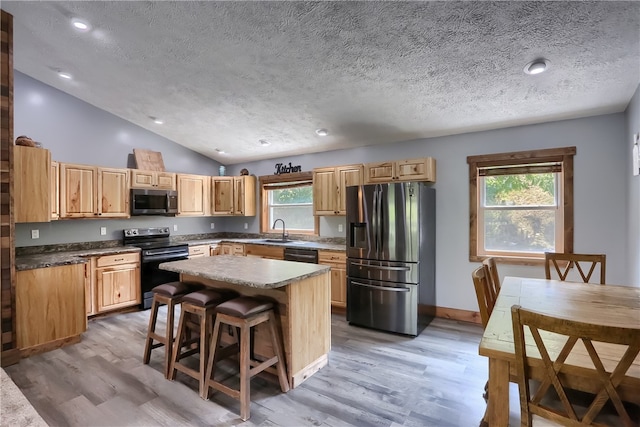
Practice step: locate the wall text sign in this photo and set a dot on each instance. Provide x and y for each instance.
(284, 168)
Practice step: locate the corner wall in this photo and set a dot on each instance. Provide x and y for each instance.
(633, 197)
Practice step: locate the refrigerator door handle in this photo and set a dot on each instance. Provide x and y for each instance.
(381, 267)
(374, 218)
(380, 222)
(382, 288)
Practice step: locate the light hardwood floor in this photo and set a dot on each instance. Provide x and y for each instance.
(373, 379)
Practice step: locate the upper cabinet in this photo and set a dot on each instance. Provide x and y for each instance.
(32, 181)
(153, 179)
(193, 195)
(233, 195)
(423, 169)
(329, 187)
(91, 192)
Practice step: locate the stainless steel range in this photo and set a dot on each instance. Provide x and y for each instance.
(156, 248)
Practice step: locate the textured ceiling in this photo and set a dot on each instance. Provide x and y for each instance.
(223, 75)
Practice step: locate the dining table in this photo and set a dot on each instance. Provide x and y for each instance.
(610, 305)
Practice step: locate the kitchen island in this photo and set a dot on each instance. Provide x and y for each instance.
(301, 293)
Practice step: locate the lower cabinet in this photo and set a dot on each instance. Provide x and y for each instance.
(199, 251)
(116, 282)
(264, 251)
(338, 263)
(231, 249)
(49, 307)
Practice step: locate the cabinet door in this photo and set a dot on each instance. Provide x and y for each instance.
(143, 179)
(89, 286)
(78, 190)
(324, 191)
(198, 251)
(113, 192)
(346, 176)
(222, 195)
(32, 195)
(55, 190)
(117, 287)
(379, 172)
(225, 249)
(165, 181)
(338, 287)
(192, 195)
(244, 195)
(416, 170)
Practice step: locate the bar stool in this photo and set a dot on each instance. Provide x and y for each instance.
(170, 294)
(244, 313)
(198, 310)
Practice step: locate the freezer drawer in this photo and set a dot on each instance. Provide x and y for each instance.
(386, 271)
(387, 306)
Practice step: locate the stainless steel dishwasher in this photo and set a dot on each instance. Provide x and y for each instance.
(301, 255)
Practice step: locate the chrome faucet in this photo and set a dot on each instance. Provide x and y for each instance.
(284, 234)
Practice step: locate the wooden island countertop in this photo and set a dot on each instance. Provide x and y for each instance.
(300, 291)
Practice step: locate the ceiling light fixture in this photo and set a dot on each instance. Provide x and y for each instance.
(264, 142)
(158, 121)
(322, 132)
(537, 66)
(80, 25)
(64, 75)
(220, 151)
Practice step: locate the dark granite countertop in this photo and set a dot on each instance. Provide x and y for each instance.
(54, 259)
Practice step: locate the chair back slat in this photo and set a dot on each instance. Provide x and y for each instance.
(575, 331)
(492, 270)
(485, 293)
(563, 262)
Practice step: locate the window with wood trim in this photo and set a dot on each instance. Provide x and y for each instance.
(290, 198)
(521, 204)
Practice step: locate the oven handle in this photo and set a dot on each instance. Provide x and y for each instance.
(163, 258)
(382, 288)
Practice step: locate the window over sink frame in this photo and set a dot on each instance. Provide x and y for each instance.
(271, 183)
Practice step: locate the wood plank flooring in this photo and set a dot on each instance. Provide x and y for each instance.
(373, 379)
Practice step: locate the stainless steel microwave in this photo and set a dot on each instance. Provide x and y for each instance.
(153, 202)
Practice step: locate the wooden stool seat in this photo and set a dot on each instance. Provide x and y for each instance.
(198, 311)
(244, 313)
(169, 294)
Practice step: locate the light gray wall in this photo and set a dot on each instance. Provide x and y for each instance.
(599, 196)
(77, 132)
(633, 127)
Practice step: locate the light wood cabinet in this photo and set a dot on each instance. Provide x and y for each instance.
(231, 249)
(233, 195)
(89, 286)
(117, 281)
(193, 195)
(422, 169)
(199, 251)
(329, 188)
(264, 251)
(215, 250)
(92, 192)
(54, 182)
(338, 263)
(32, 184)
(50, 307)
(153, 179)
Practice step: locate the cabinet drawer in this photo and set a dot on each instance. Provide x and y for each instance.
(272, 252)
(107, 260)
(199, 250)
(339, 259)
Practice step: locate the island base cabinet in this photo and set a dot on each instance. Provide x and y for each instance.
(303, 314)
(50, 308)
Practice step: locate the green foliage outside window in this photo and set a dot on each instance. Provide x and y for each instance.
(298, 195)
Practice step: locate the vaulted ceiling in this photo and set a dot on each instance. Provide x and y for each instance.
(225, 75)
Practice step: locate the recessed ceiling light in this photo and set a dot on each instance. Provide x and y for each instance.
(80, 25)
(264, 142)
(537, 66)
(158, 121)
(322, 132)
(65, 75)
(220, 151)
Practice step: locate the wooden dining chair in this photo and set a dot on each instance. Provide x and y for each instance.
(562, 263)
(486, 293)
(538, 325)
(492, 269)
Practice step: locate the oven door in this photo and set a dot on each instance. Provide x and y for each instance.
(151, 276)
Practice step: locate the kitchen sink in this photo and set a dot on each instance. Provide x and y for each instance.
(287, 241)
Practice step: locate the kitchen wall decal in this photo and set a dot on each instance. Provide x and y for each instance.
(284, 168)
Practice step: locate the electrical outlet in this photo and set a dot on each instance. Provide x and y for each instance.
(103, 231)
(246, 225)
(213, 225)
(175, 227)
(340, 228)
(35, 234)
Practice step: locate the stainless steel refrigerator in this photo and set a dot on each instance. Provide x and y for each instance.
(391, 256)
